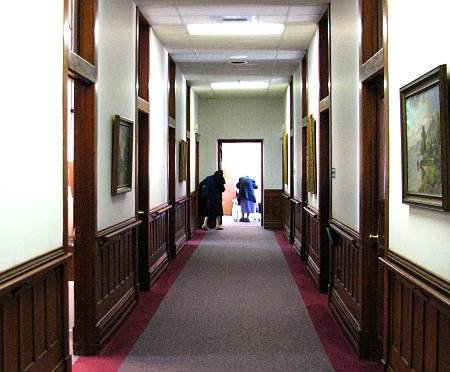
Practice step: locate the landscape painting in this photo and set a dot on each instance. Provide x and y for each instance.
(424, 143)
(425, 132)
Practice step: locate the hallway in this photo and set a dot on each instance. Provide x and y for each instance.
(234, 306)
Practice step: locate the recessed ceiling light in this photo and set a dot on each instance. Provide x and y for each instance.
(235, 29)
(238, 57)
(240, 85)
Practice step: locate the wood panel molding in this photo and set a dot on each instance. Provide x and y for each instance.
(373, 67)
(17, 273)
(143, 105)
(79, 68)
(180, 211)
(33, 322)
(345, 281)
(312, 233)
(418, 318)
(116, 283)
(272, 209)
(324, 104)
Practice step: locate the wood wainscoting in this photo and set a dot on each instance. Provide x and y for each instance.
(298, 226)
(116, 284)
(312, 231)
(33, 315)
(287, 216)
(273, 209)
(180, 210)
(418, 323)
(345, 281)
(193, 210)
(158, 247)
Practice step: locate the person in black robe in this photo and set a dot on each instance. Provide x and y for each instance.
(211, 189)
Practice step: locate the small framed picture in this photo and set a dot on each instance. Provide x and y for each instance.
(425, 140)
(122, 156)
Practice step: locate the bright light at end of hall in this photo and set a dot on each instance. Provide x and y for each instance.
(235, 29)
(240, 85)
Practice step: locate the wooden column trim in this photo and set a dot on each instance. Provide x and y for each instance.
(82, 69)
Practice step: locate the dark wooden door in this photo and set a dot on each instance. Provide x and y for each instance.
(143, 199)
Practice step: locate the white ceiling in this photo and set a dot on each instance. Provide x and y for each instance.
(204, 59)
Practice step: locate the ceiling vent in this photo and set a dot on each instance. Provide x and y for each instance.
(235, 19)
(238, 62)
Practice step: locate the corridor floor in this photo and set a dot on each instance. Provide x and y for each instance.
(234, 306)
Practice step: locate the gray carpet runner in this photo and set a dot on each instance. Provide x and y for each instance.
(234, 307)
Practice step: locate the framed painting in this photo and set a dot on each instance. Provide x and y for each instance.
(122, 156)
(425, 140)
(182, 174)
(311, 173)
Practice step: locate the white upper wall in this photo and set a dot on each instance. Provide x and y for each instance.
(115, 95)
(345, 111)
(298, 133)
(31, 143)
(180, 117)
(158, 122)
(313, 100)
(421, 235)
(242, 118)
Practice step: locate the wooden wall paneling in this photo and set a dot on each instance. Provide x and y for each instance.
(298, 223)
(180, 223)
(194, 212)
(286, 206)
(418, 336)
(116, 277)
(312, 231)
(33, 316)
(273, 209)
(158, 250)
(345, 281)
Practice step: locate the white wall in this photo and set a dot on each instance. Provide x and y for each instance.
(313, 100)
(423, 236)
(180, 117)
(345, 111)
(158, 122)
(116, 95)
(31, 191)
(297, 133)
(193, 131)
(242, 118)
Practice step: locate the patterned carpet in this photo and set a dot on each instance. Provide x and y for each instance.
(230, 303)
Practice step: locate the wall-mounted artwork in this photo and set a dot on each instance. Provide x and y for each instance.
(425, 140)
(182, 175)
(122, 156)
(311, 172)
(285, 158)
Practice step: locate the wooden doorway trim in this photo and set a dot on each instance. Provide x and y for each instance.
(374, 145)
(220, 142)
(81, 67)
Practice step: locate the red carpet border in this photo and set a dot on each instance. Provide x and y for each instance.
(339, 351)
(117, 349)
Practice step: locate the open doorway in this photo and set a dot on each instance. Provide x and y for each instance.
(239, 158)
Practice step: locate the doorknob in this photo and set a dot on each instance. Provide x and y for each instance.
(141, 213)
(373, 236)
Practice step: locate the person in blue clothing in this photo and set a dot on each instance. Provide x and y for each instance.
(246, 197)
(211, 189)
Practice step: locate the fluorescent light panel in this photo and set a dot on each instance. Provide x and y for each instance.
(240, 85)
(235, 29)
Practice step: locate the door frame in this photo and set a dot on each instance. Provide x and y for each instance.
(220, 142)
